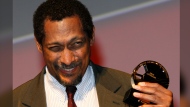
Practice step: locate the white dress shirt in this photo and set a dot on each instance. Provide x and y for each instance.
(85, 96)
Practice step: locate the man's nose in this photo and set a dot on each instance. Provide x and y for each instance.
(67, 56)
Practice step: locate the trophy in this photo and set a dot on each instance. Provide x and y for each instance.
(146, 71)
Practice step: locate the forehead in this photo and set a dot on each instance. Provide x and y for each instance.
(65, 28)
(66, 24)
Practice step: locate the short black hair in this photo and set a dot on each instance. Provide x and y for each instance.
(56, 10)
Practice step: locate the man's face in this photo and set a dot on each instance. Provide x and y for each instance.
(66, 49)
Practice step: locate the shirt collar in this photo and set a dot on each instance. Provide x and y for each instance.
(87, 83)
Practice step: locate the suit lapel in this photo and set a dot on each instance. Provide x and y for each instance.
(107, 88)
(35, 95)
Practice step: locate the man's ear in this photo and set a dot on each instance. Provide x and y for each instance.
(93, 37)
(39, 46)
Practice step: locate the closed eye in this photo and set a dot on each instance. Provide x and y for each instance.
(76, 45)
(55, 48)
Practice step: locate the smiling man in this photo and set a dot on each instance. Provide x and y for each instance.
(66, 49)
(64, 33)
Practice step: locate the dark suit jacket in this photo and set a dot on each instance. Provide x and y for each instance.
(111, 86)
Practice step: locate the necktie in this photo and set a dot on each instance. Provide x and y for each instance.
(70, 94)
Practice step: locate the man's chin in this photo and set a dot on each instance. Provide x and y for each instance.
(69, 81)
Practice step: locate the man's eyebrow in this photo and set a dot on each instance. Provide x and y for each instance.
(53, 43)
(76, 38)
(70, 41)
(73, 39)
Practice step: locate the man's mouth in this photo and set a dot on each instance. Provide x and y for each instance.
(68, 70)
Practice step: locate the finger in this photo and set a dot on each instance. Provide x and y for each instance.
(155, 93)
(147, 97)
(148, 90)
(166, 100)
(152, 105)
(148, 87)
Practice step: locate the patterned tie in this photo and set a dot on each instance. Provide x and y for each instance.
(70, 94)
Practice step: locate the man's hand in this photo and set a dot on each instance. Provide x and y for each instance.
(153, 92)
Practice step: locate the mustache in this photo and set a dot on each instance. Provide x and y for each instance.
(65, 66)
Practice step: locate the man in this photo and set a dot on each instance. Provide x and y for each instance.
(64, 32)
